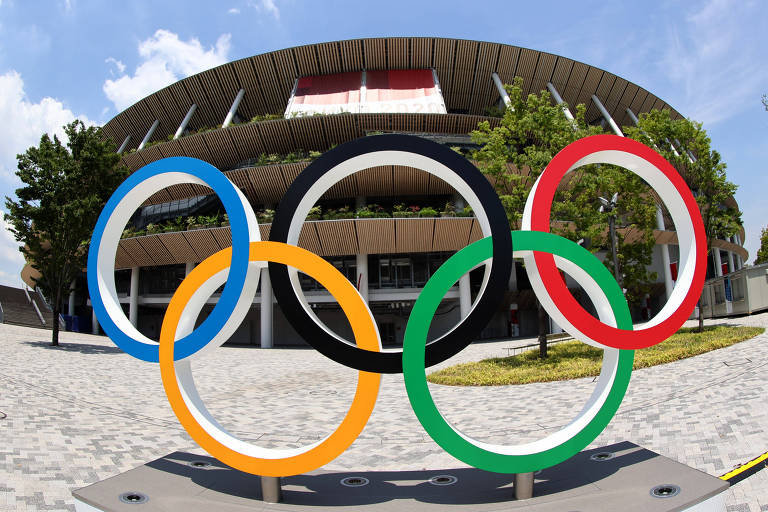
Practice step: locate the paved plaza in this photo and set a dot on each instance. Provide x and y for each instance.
(86, 411)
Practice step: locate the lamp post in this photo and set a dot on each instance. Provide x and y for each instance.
(609, 207)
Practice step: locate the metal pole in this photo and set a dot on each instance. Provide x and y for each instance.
(500, 88)
(607, 116)
(266, 312)
(559, 101)
(149, 134)
(133, 309)
(270, 489)
(233, 108)
(523, 486)
(185, 121)
(124, 144)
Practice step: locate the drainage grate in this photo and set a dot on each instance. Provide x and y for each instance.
(443, 480)
(134, 498)
(355, 481)
(200, 464)
(665, 491)
(602, 456)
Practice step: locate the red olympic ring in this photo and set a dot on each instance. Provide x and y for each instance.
(543, 195)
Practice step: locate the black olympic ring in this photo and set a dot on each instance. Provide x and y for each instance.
(317, 175)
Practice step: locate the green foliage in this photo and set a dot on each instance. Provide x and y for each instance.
(428, 211)
(265, 117)
(265, 216)
(573, 359)
(371, 211)
(531, 132)
(762, 253)
(64, 188)
(686, 145)
(315, 213)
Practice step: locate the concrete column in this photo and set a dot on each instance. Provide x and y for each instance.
(465, 295)
(668, 284)
(512, 285)
(737, 241)
(718, 262)
(607, 116)
(731, 268)
(188, 266)
(185, 121)
(124, 144)
(94, 322)
(362, 275)
(149, 134)
(559, 101)
(266, 309)
(133, 308)
(233, 108)
(500, 88)
(71, 305)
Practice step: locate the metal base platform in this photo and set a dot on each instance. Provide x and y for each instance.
(616, 477)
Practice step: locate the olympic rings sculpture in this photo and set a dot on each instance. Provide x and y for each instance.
(238, 268)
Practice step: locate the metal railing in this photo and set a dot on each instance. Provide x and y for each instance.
(37, 310)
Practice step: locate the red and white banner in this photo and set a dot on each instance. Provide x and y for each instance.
(397, 90)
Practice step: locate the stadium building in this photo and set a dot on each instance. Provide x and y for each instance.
(263, 118)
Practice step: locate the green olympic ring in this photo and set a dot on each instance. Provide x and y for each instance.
(605, 401)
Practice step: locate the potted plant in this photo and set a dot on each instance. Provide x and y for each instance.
(465, 212)
(449, 210)
(427, 211)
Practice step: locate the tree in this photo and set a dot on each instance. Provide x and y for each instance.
(65, 187)
(686, 145)
(531, 132)
(762, 253)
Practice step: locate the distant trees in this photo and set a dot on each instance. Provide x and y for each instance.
(65, 187)
(686, 145)
(762, 253)
(532, 131)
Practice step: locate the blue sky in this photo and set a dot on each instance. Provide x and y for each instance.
(61, 59)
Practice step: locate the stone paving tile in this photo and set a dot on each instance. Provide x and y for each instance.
(86, 411)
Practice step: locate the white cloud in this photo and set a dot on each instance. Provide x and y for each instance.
(23, 124)
(266, 6)
(164, 60)
(118, 64)
(712, 56)
(12, 260)
(233, 10)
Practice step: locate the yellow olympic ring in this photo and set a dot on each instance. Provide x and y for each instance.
(366, 337)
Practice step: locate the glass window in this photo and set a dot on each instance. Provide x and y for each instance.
(420, 269)
(161, 280)
(403, 271)
(386, 277)
(738, 288)
(719, 292)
